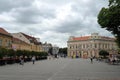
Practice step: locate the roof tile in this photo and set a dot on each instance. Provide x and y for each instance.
(81, 38)
(3, 31)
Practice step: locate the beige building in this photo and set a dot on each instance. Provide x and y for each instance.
(34, 45)
(88, 46)
(18, 44)
(5, 39)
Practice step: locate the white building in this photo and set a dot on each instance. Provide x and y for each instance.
(55, 50)
(47, 47)
(88, 46)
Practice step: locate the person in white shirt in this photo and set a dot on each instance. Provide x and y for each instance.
(33, 59)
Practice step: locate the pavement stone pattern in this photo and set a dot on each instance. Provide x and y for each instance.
(61, 69)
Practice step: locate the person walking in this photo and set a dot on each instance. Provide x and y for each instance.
(21, 60)
(33, 59)
(91, 59)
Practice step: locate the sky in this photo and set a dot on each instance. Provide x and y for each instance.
(53, 21)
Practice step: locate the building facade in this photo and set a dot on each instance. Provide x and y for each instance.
(47, 47)
(34, 45)
(88, 46)
(18, 44)
(55, 50)
(5, 39)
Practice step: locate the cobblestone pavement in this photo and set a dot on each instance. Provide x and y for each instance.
(61, 69)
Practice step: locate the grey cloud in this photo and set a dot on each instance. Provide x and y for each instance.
(87, 24)
(8, 5)
(24, 12)
(34, 30)
(90, 9)
(72, 26)
(31, 15)
(57, 2)
(69, 26)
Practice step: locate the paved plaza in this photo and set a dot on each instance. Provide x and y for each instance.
(61, 69)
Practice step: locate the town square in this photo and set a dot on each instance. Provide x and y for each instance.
(61, 69)
(59, 39)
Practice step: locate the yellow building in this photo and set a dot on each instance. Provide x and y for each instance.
(34, 44)
(19, 41)
(18, 44)
(87, 46)
(5, 39)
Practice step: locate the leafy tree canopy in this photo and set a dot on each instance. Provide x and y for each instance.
(63, 50)
(103, 53)
(109, 18)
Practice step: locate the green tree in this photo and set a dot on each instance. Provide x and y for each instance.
(3, 52)
(109, 18)
(103, 53)
(19, 53)
(63, 51)
(11, 53)
(44, 54)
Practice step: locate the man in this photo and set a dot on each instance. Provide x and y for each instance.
(91, 59)
(33, 59)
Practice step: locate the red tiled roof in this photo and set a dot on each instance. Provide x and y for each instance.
(32, 39)
(81, 38)
(27, 36)
(88, 37)
(3, 31)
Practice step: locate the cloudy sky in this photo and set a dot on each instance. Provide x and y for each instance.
(52, 21)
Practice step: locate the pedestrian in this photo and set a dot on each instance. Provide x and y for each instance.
(91, 59)
(33, 59)
(21, 61)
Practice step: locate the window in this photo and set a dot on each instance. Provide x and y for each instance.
(105, 45)
(8, 44)
(79, 46)
(76, 47)
(95, 45)
(0, 42)
(6, 40)
(69, 46)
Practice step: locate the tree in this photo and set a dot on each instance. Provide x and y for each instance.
(11, 53)
(63, 51)
(3, 52)
(19, 53)
(109, 18)
(103, 53)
